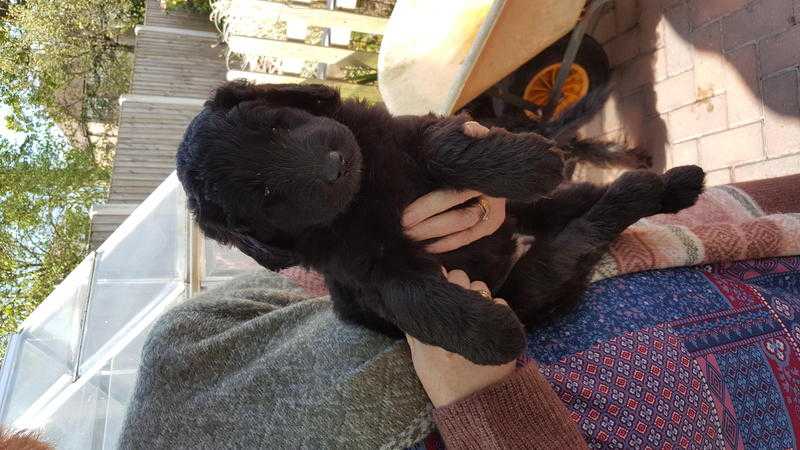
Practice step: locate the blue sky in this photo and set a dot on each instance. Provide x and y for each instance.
(5, 132)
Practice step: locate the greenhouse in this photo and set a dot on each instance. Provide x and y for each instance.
(80, 349)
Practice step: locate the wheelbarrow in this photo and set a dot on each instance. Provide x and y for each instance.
(533, 55)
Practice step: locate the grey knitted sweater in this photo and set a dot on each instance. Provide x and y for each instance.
(254, 363)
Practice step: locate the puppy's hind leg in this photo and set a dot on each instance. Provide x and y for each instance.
(638, 194)
(554, 212)
(572, 228)
(552, 276)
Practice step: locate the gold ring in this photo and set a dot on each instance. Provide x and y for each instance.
(484, 209)
(485, 294)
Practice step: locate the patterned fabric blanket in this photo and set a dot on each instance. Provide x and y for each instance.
(700, 357)
(726, 224)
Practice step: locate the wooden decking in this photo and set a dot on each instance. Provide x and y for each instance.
(177, 62)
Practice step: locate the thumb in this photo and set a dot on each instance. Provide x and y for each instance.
(475, 130)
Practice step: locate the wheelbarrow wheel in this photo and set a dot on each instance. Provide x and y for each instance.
(534, 80)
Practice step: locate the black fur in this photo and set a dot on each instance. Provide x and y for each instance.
(255, 165)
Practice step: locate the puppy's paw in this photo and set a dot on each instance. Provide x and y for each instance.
(683, 185)
(496, 337)
(633, 195)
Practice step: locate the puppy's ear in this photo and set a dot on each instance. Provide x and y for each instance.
(316, 99)
(271, 255)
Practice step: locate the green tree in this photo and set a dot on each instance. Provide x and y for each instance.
(73, 58)
(46, 190)
(65, 63)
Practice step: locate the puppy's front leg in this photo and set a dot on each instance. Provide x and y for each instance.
(425, 305)
(517, 166)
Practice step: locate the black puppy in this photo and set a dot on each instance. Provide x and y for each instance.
(291, 174)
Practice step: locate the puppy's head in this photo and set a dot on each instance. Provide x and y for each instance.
(260, 164)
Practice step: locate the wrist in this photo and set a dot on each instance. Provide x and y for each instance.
(445, 392)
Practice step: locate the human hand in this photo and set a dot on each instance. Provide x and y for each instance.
(430, 216)
(449, 377)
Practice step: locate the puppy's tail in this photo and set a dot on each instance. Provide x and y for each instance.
(564, 128)
(606, 154)
(596, 152)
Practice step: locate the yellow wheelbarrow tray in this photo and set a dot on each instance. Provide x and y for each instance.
(438, 55)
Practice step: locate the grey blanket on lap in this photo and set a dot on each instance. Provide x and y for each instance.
(254, 363)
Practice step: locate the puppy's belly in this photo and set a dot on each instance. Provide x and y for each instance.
(489, 259)
(524, 242)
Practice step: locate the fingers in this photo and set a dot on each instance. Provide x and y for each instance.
(432, 204)
(458, 277)
(496, 215)
(457, 240)
(481, 228)
(479, 286)
(446, 223)
(475, 130)
(500, 301)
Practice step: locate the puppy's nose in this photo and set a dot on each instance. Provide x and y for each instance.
(332, 168)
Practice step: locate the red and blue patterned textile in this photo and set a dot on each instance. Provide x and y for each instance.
(691, 357)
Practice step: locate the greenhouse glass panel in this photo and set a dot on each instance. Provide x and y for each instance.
(46, 350)
(91, 411)
(70, 370)
(138, 268)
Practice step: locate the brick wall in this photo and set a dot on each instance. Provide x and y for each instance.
(709, 82)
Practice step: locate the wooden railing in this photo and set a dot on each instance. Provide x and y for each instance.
(273, 42)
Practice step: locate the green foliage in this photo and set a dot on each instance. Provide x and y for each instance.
(365, 42)
(72, 57)
(360, 73)
(46, 190)
(197, 6)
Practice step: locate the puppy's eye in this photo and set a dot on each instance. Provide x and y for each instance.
(274, 130)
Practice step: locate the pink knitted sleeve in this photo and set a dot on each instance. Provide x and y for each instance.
(519, 412)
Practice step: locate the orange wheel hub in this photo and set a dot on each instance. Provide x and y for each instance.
(541, 85)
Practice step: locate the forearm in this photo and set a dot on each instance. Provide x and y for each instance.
(520, 412)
